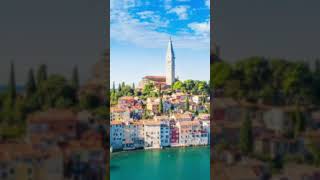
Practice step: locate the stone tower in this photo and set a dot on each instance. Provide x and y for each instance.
(170, 64)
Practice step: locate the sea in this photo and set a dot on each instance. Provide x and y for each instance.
(190, 163)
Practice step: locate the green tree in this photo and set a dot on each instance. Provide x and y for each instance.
(246, 136)
(75, 78)
(53, 88)
(42, 74)
(89, 101)
(178, 85)
(113, 87)
(119, 88)
(187, 104)
(161, 106)
(12, 86)
(31, 84)
(221, 72)
(147, 89)
(299, 124)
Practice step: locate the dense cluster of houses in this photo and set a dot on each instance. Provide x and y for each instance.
(270, 127)
(175, 126)
(59, 144)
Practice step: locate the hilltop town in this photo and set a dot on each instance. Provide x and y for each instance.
(55, 128)
(161, 112)
(264, 124)
(179, 119)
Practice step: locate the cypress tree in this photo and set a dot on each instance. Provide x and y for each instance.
(75, 78)
(113, 88)
(133, 86)
(30, 84)
(119, 88)
(42, 74)
(161, 106)
(12, 84)
(246, 139)
(187, 104)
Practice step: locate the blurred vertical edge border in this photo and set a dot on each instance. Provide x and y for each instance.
(107, 14)
(213, 58)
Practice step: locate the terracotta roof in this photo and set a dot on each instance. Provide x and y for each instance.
(127, 98)
(189, 123)
(156, 78)
(152, 123)
(117, 109)
(116, 122)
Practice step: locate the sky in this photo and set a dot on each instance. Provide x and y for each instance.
(59, 33)
(272, 28)
(139, 35)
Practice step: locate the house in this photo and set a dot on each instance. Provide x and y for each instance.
(152, 134)
(23, 161)
(226, 109)
(164, 134)
(205, 132)
(139, 140)
(126, 101)
(182, 116)
(185, 133)
(130, 135)
(61, 123)
(119, 114)
(174, 133)
(277, 119)
(116, 134)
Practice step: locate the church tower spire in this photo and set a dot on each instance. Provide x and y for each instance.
(170, 64)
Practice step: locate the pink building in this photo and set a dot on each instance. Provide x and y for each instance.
(174, 134)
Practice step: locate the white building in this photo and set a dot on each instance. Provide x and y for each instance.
(116, 134)
(139, 141)
(206, 132)
(152, 134)
(130, 135)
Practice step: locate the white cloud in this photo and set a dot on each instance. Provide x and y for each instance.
(167, 4)
(207, 2)
(142, 29)
(181, 11)
(202, 28)
(154, 18)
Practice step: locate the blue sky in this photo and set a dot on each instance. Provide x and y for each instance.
(140, 30)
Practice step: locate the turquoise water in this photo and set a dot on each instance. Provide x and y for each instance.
(168, 164)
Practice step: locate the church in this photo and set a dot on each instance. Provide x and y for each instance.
(167, 80)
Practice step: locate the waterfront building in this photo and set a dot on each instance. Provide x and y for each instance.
(196, 133)
(164, 134)
(152, 134)
(205, 131)
(116, 134)
(174, 133)
(185, 133)
(129, 135)
(139, 141)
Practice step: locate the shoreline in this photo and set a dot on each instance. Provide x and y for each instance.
(158, 149)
